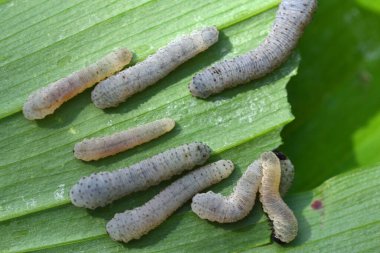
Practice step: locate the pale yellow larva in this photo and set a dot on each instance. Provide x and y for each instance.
(227, 209)
(132, 224)
(100, 189)
(285, 225)
(97, 148)
(46, 100)
(116, 89)
(291, 19)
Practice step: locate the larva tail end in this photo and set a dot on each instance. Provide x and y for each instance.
(206, 148)
(125, 55)
(169, 124)
(210, 35)
(197, 88)
(123, 228)
(227, 166)
(75, 197)
(32, 114)
(81, 152)
(100, 97)
(113, 229)
(28, 114)
(207, 206)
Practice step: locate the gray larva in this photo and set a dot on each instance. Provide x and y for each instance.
(132, 224)
(46, 100)
(291, 19)
(117, 88)
(285, 224)
(96, 148)
(216, 207)
(100, 189)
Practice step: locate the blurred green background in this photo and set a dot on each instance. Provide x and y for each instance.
(336, 95)
(322, 107)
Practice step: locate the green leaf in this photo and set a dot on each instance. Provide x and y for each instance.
(184, 230)
(349, 220)
(72, 34)
(334, 98)
(335, 95)
(373, 5)
(43, 41)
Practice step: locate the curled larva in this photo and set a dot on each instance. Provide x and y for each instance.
(285, 224)
(117, 88)
(132, 224)
(96, 148)
(100, 189)
(216, 207)
(291, 19)
(46, 100)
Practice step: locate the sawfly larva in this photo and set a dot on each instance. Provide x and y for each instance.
(285, 224)
(226, 209)
(132, 224)
(291, 19)
(97, 148)
(116, 89)
(100, 189)
(46, 100)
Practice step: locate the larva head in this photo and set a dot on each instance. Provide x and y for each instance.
(280, 155)
(285, 226)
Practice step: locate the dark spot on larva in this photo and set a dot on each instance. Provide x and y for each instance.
(317, 204)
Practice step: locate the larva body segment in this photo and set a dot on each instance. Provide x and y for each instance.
(116, 89)
(46, 100)
(287, 175)
(132, 224)
(97, 148)
(285, 224)
(216, 207)
(226, 209)
(291, 19)
(100, 189)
